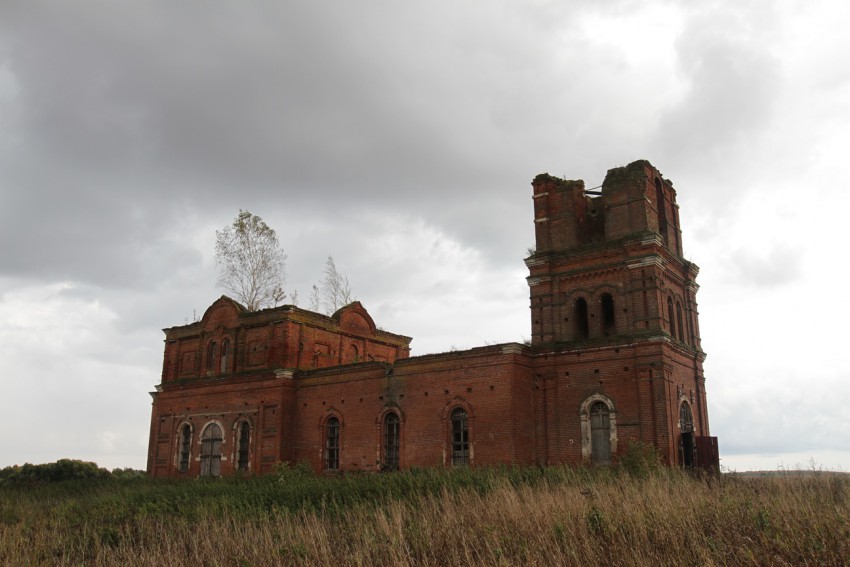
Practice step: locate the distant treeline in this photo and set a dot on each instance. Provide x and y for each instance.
(62, 470)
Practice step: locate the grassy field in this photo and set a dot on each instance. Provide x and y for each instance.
(510, 516)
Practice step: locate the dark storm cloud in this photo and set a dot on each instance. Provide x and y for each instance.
(131, 119)
(86, 234)
(310, 98)
(127, 117)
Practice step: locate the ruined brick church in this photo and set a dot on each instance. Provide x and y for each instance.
(614, 359)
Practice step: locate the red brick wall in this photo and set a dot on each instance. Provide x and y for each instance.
(524, 405)
(487, 383)
(282, 337)
(262, 401)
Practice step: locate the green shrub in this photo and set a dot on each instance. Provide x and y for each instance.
(61, 470)
(640, 460)
(129, 474)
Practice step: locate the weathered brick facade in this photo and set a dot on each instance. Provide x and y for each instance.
(615, 358)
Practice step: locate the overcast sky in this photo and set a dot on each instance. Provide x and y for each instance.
(401, 138)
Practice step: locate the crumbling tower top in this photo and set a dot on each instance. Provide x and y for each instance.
(635, 200)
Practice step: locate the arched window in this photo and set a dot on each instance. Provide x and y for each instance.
(670, 318)
(608, 323)
(242, 457)
(460, 437)
(211, 450)
(353, 354)
(225, 355)
(332, 444)
(580, 317)
(211, 356)
(392, 431)
(679, 325)
(185, 448)
(600, 434)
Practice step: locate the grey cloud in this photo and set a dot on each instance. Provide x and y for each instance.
(777, 266)
(730, 79)
(94, 237)
(781, 420)
(131, 131)
(125, 118)
(302, 98)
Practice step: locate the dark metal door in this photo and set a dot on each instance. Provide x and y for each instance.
(708, 456)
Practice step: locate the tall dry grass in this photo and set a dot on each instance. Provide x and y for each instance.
(554, 517)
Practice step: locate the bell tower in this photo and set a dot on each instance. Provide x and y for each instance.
(608, 264)
(614, 316)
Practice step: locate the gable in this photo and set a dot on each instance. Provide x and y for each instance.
(223, 313)
(354, 319)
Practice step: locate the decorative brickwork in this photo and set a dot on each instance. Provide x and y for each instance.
(615, 359)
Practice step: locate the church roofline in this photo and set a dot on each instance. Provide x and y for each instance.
(281, 312)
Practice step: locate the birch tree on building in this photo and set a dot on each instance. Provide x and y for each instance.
(251, 264)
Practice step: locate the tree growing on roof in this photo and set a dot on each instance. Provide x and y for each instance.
(251, 264)
(335, 289)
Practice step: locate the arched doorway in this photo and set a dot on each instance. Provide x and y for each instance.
(600, 434)
(687, 443)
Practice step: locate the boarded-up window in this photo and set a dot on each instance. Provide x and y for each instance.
(600, 434)
(211, 450)
(392, 432)
(460, 438)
